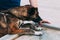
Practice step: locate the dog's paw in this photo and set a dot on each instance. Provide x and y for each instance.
(38, 33)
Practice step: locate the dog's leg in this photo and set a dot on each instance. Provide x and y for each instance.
(15, 30)
(3, 24)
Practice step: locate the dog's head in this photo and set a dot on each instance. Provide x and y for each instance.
(24, 12)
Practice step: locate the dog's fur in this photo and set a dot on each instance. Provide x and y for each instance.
(26, 12)
(9, 20)
(11, 26)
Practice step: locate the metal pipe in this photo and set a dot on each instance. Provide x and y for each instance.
(52, 26)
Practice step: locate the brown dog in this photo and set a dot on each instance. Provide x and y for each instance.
(10, 25)
(26, 12)
(9, 19)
